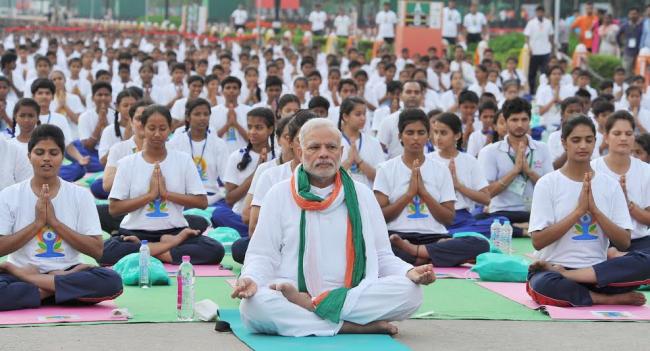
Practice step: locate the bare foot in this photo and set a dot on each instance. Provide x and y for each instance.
(612, 252)
(406, 246)
(542, 266)
(377, 327)
(294, 296)
(631, 298)
(131, 238)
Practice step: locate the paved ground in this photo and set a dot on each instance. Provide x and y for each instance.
(419, 335)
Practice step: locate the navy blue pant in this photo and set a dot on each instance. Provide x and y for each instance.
(94, 165)
(616, 276)
(201, 249)
(97, 188)
(640, 244)
(223, 216)
(239, 248)
(72, 172)
(80, 288)
(447, 253)
(465, 222)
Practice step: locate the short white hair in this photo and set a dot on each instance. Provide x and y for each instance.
(318, 123)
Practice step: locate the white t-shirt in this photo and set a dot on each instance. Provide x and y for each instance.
(58, 120)
(15, 166)
(516, 75)
(488, 88)
(342, 25)
(469, 174)
(466, 69)
(108, 139)
(84, 86)
(543, 96)
(637, 182)
(178, 109)
(272, 176)
(474, 22)
(218, 119)
(585, 244)
(132, 180)
(392, 180)
(451, 18)
(476, 142)
(239, 17)
(120, 150)
(388, 135)
(370, 152)
(237, 177)
(538, 34)
(261, 169)
(74, 206)
(317, 19)
(88, 121)
(210, 159)
(555, 145)
(496, 160)
(386, 21)
(164, 94)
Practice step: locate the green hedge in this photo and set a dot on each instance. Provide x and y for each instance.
(604, 65)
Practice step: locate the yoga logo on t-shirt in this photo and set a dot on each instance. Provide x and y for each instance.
(417, 209)
(231, 136)
(157, 209)
(202, 168)
(585, 228)
(49, 243)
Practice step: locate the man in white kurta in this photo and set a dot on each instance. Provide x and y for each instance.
(389, 289)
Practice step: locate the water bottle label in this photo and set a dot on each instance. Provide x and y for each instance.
(179, 283)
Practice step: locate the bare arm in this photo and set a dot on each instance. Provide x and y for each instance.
(109, 176)
(553, 233)
(13, 242)
(91, 245)
(392, 211)
(235, 193)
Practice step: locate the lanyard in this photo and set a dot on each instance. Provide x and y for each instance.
(189, 137)
(360, 141)
(530, 159)
(49, 116)
(429, 146)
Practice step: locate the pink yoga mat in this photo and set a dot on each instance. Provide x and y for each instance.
(455, 273)
(517, 292)
(203, 270)
(513, 291)
(61, 314)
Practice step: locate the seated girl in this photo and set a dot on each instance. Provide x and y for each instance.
(575, 215)
(240, 169)
(112, 134)
(25, 120)
(92, 123)
(362, 152)
(469, 182)
(631, 173)
(416, 195)
(153, 187)
(45, 226)
(208, 151)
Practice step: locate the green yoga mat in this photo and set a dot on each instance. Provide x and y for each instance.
(260, 342)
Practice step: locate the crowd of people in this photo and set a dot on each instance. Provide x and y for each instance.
(282, 142)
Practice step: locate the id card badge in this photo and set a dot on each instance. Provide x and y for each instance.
(588, 34)
(518, 186)
(631, 43)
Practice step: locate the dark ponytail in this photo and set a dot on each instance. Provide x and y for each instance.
(453, 122)
(269, 119)
(347, 106)
(123, 94)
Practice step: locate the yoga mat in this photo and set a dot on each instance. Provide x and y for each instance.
(455, 272)
(464, 299)
(357, 342)
(231, 282)
(202, 270)
(61, 314)
(513, 291)
(600, 312)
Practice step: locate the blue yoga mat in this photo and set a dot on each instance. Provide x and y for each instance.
(261, 342)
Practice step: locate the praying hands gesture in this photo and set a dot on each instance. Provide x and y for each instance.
(353, 157)
(157, 185)
(586, 203)
(454, 176)
(45, 214)
(232, 116)
(423, 275)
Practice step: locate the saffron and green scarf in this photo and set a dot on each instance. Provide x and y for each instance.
(330, 303)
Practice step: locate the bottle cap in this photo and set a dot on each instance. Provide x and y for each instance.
(186, 258)
(144, 242)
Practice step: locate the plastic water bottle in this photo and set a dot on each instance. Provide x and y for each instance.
(185, 283)
(145, 254)
(495, 234)
(506, 237)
